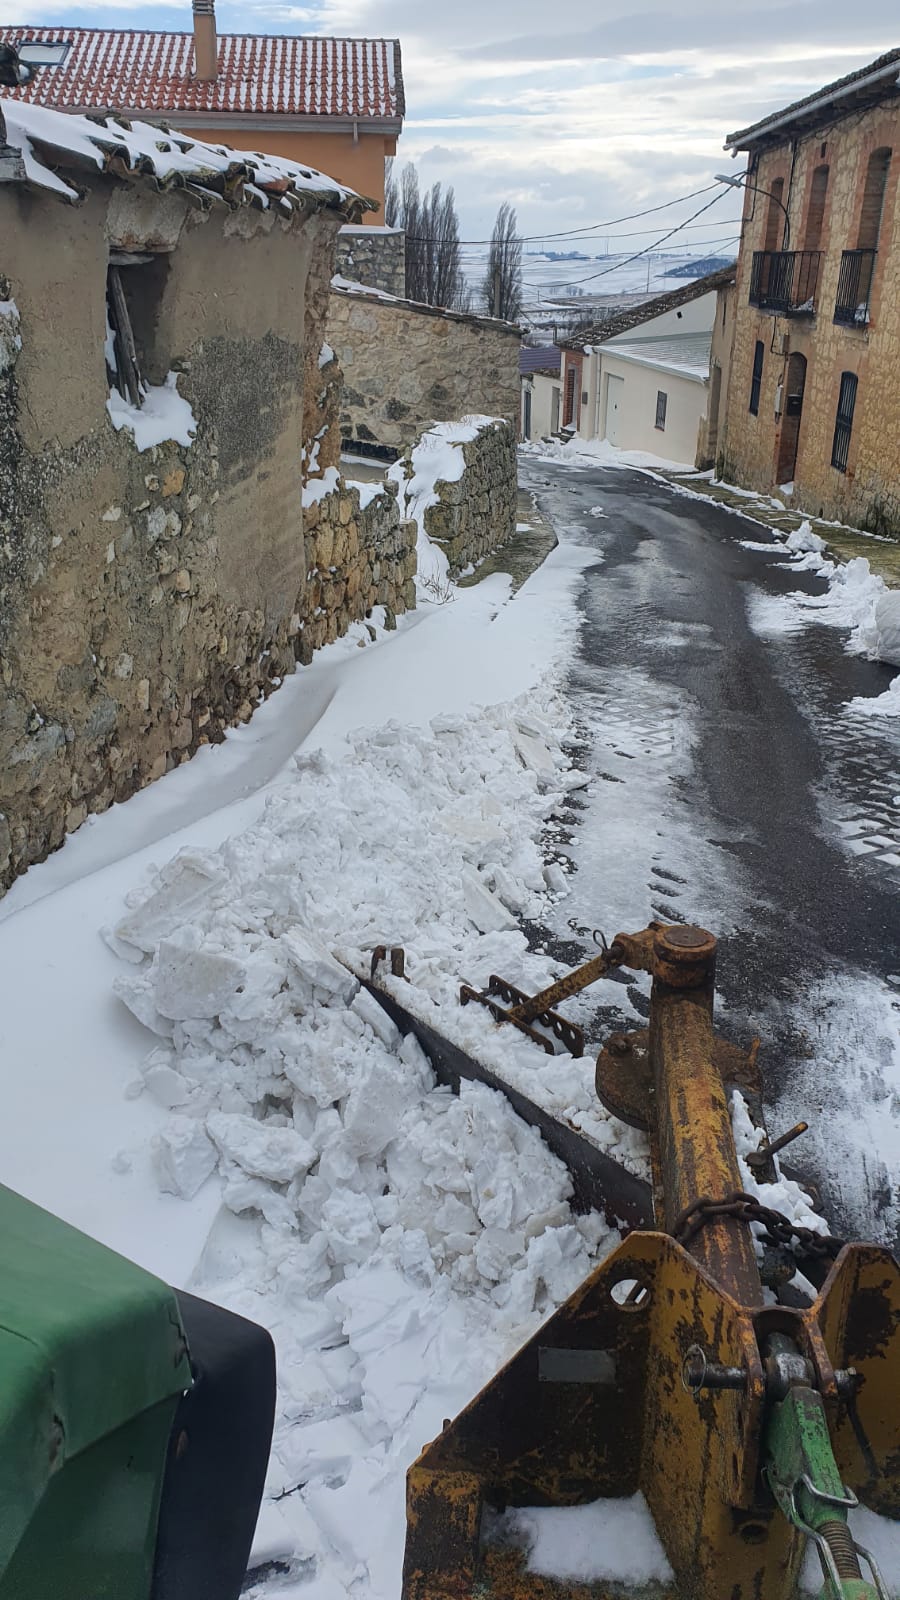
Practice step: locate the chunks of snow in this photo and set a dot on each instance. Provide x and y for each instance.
(803, 539)
(887, 627)
(162, 415)
(399, 1241)
(184, 1157)
(258, 1148)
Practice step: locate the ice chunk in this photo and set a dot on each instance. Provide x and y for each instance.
(484, 909)
(187, 885)
(259, 1149)
(184, 1157)
(318, 966)
(366, 1006)
(194, 983)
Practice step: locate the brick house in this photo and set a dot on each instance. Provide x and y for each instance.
(333, 104)
(814, 387)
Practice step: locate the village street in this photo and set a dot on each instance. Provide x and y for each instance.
(740, 794)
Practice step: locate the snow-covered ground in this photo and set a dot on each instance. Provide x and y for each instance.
(213, 1094)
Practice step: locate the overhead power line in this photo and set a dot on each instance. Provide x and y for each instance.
(596, 227)
(650, 248)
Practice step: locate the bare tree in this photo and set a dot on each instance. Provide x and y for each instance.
(501, 290)
(433, 271)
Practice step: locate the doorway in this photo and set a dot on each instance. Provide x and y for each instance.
(615, 396)
(526, 426)
(789, 442)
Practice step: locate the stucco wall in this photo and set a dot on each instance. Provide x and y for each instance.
(869, 492)
(150, 599)
(406, 366)
(686, 406)
(542, 388)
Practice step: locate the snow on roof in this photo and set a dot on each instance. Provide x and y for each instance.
(259, 74)
(686, 354)
(55, 147)
(834, 100)
(635, 315)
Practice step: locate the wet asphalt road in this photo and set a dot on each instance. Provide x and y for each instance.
(778, 780)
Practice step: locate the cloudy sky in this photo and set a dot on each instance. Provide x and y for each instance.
(577, 112)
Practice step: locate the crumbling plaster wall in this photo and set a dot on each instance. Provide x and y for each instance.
(150, 599)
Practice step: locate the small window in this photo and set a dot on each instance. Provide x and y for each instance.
(843, 426)
(662, 401)
(134, 287)
(43, 53)
(756, 381)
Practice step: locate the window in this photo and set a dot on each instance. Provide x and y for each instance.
(843, 425)
(43, 53)
(662, 401)
(135, 283)
(756, 381)
(815, 216)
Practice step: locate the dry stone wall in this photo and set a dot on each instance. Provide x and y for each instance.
(407, 366)
(362, 554)
(373, 256)
(476, 512)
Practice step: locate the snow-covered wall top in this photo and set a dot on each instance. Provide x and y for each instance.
(53, 147)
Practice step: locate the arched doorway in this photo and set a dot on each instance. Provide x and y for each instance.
(792, 412)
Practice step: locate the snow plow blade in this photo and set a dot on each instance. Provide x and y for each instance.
(749, 1427)
(599, 1183)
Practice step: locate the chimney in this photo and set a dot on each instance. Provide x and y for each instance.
(206, 44)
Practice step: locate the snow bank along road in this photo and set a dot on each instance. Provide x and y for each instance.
(208, 1090)
(739, 789)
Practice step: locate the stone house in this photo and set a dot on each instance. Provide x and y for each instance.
(174, 531)
(334, 104)
(641, 380)
(408, 365)
(814, 391)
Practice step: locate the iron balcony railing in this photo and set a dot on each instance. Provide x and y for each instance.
(785, 281)
(855, 287)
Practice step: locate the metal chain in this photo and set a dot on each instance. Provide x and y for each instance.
(779, 1229)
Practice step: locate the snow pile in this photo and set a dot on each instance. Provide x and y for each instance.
(879, 705)
(398, 1241)
(887, 627)
(803, 540)
(611, 1540)
(162, 415)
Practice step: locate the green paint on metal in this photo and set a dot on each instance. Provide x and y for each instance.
(803, 1475)
(92, 1361)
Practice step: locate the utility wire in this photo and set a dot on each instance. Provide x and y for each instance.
(588, 227)
(650, 248)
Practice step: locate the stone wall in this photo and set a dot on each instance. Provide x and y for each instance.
(150, 599)
(751, 452)
(373, 256)
(362, 554)
(407, 366)
(475, 512)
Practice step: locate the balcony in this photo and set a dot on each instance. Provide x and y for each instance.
(785, 281)
(851, 308)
